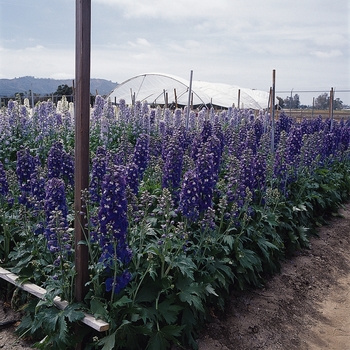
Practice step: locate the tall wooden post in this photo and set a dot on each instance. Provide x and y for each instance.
(239, 99)
(82, 126)
(189, 100)
(331, 99)
(273, 97)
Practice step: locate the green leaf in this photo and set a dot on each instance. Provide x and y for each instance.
(169, 311)
(98, 308)
(192, 295)
(123, 301)
(108, 342)
(209, 288)
(72, 313)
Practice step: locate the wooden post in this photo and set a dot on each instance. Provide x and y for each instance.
(239, 99)
(189, 100)
(273, 97)
(331, 99)
(82, 126)
(175, 98)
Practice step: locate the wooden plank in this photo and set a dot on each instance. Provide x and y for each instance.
(89, 320)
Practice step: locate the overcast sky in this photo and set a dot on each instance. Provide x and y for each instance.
(237, 42)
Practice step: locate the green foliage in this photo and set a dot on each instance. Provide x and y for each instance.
(43, 320)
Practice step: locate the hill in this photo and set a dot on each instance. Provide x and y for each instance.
(47, 86)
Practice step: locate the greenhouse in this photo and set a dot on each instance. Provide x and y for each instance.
(161, 89)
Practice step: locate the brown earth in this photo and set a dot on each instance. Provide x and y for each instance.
(304, 307)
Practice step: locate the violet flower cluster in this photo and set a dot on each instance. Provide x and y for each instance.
(60, 164)
(98, 170)
(113, 226)
(4, 187)
(56, 227)
(141, 154)
(26, 165)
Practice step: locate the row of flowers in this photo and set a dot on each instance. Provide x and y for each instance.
(178, 211)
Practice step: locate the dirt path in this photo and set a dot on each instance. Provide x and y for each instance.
(305, 307)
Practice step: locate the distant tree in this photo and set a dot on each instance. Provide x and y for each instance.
(322, 101)
(280, 101)
(292, 102)
(296, 101)
(338, 104)
(64, 89)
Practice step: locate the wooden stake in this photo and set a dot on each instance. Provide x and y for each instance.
(273, 97)
(239, 99)
(82, 126)
(189, 100)
(331, 99)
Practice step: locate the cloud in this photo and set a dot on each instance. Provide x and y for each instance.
(327, 54)
(37, 61)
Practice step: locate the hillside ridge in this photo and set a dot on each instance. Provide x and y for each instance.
(47, 86)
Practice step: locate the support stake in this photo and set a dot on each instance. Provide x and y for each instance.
(82, 126)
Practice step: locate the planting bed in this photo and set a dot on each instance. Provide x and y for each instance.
(306, 306)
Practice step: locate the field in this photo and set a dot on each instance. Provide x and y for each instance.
(299, 114)
(176, 217)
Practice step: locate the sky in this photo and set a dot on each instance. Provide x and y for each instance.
(237, 42)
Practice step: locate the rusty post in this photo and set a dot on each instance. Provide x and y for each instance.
(82, 125)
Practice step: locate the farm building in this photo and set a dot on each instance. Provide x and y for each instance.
(161, 89)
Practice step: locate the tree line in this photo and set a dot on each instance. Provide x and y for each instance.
(320, 102)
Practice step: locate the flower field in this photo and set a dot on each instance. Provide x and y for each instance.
(176, 216)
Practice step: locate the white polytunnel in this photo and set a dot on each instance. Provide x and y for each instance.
(157, 88)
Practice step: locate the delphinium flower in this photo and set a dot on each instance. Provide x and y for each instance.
(205, 171)
(177, 118)
(132, 177)
(60, 164)
(168, 119)
(329, 145)
(250, 141)
(4, 187)
(246, 174)
(12, 112)
(141, 153)
(216, 150)
(201, 117)
(68, 168)
(56, 229)
(98, 170)
(54, 160)
(162, 127)
(232, 168)
(97, 112)
(37, 183)
(113, 226)
(280, 167)
(172, 169)
(293, 144)
(136, 118)
(345, 137)
(106, 124)
(259, 129)
(152, 117)
(26, 165)
(206, 130)
(189, 196)
(192, 122)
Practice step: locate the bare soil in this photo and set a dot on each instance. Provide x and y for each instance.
(304, 307)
